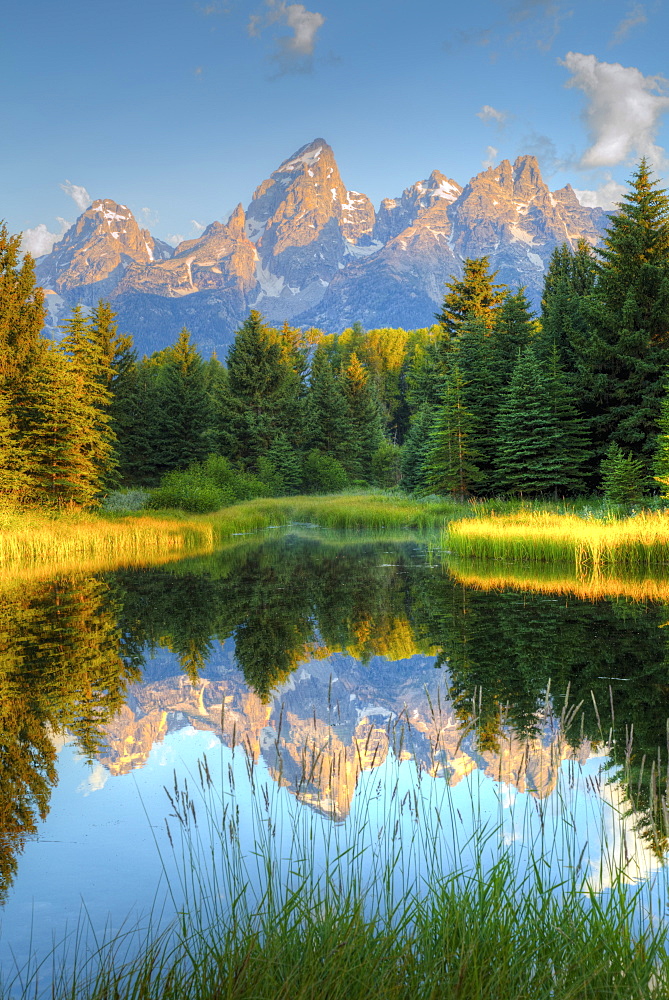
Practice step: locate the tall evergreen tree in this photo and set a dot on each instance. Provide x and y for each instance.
(22, 311)
(185, 413)
(532, 457)
(623, 357)
(329, 428)
(264, 386)
(483, 378)
(515, 328)
(451, 459)
(364, 417)
(91, 369)
(416, 448)
(569, 283)
(475, 296)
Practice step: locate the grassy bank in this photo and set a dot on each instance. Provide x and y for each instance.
(30, 540)
(584, 543)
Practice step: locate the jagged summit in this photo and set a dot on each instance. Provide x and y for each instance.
(310, 250)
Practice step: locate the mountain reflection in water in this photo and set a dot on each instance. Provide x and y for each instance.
(321, 656)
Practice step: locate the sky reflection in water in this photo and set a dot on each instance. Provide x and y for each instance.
(343, 668)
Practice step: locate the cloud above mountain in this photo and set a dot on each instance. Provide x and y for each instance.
(293, 52)
(78, 194)
(623, 112)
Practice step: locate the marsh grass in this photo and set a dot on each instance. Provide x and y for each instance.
(274, 901)
(585, 543)
(74, 539)
(585, 583)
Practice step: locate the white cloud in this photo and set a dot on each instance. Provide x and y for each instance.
(488, 114)
(607, 195)
(490, 157)
(78, 194)
(175, 239)
(96, 780)
(198, 227)
(635, 17)
(623, 112)
(295, 51)
(40, 240)
(149, 216)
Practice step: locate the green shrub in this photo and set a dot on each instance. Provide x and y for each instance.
(189, 491)
(323, 473)
(387, 465)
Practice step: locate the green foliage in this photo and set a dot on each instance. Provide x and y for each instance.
(387, 465)
(184, 413)
(475, 296)
(623, 476)
(322, 473)
(533, 434)
(188, 491)
(450, 466)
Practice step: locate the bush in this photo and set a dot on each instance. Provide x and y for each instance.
(387, 465)
(323, 473)
(189, 491)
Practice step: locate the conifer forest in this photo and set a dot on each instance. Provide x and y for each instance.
(492, 400)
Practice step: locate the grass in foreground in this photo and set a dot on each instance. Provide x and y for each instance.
(586, 544)
(274, 904)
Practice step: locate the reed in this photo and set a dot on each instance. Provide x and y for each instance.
(594, 584)
(75, 540)
(585, 543)
(402, 901)
(70, 539)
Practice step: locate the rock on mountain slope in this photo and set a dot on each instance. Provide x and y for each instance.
(91, 258)
(310, 251)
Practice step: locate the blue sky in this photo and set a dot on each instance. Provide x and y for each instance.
(178, 109)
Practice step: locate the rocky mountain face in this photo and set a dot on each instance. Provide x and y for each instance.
(310, 251)
(93, 255)
(339, 716)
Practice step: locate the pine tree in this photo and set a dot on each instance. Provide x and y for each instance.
(364, 417)
(450, 465)
(15, 484)
(475, 296)
(185, 414)
(623, 476)
(22, 315)
(622, 359)
(515, 328)
(569, 283)
(92, 377)
(416, 447)
(531, 458)
(285, 463)
(66, 454)
(22, 311)
(329, 428)
(265, 383)
(483, 379)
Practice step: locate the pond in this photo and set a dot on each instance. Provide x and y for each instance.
(322, 694)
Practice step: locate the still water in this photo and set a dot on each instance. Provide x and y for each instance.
(321, 672)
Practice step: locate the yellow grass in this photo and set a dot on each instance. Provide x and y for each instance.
(36, 544)
(528, 536)
(33, 544)
(544, 579)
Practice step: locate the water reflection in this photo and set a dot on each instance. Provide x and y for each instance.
(322, 657)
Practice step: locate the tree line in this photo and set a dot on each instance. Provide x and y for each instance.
(490, 400)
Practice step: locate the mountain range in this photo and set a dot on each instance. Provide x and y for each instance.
(310, 251)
